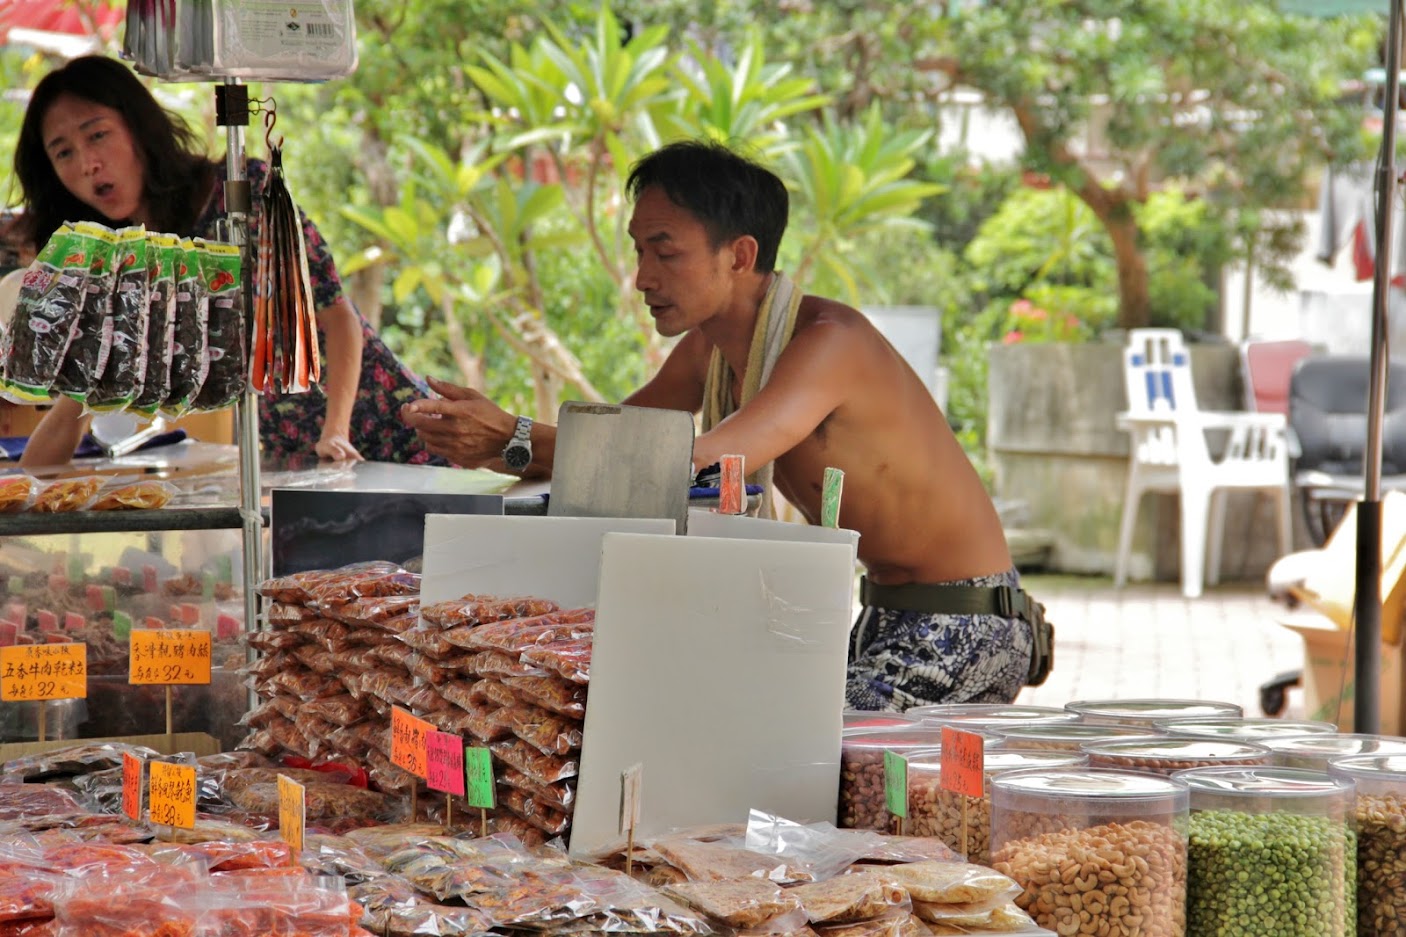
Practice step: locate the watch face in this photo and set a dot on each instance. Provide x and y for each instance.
(517, 456)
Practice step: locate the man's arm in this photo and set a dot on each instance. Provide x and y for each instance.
(679, 383)
(815, 374)
(470, 430)
(57, 435)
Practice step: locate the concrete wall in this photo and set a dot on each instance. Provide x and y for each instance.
(1054, 445)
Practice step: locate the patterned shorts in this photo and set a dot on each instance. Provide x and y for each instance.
(900, 659)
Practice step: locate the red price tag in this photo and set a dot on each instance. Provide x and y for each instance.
(132, 786)
(732, 497)
(963, 755)
(408, 741)
(444, 757)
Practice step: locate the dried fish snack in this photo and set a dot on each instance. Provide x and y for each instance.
(558, 695)
(481, 609)
(135, 496)
(747, 902)
(67, 494)
(515, 635)
(544, 730)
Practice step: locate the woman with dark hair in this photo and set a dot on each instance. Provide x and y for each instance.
(96, 146)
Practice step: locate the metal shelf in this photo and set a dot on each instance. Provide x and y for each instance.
(106, 522)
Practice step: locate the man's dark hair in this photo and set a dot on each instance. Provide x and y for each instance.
(731, 195)
(175, 172)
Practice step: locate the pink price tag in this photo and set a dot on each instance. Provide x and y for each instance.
(149, 578)
(9, 631)
(732, 496)
(444, 753)
(48, 621)
(72, 621)
(121, 576)
(226, 627)
(96, 601)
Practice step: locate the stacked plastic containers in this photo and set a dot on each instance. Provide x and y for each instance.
(1095, 851)
(1380, 812)
(1250, 729)
(1064, 737)
(1169, 754)
(1314, 752)
(1149, 712)
(862, 802)
(934, 811)
(1272, 852)
(989, 717)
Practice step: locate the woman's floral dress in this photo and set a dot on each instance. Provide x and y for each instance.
(291, 424)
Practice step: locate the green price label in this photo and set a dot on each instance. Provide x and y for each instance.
(16, 585)
(121, 624)
(207, 585)
(896, 784)
(75, 567)
(109, 598)
(224, 568)
(830, 492)
(478, 771)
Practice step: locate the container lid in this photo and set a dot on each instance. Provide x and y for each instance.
(1255, 729)
(1336, 746)
(1370, 767)
(996, 760)
(1177, 748)
(903, 738)
(1152, 710)
(1071, 732)
(870, 719)
(1262, 781)
(1091, 783)
(990, 715)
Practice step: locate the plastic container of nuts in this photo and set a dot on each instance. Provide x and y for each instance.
(1314, 752)
(1166, 754)
(1250, 728)
(1380, 812)
(869, 719)
(985, 717)
(1063, 737)
(1271, 851)
(862, 804)
(933, 811)
(1148, 712)
(1095, 851)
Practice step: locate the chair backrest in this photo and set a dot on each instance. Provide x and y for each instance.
(1157, 372)
(1328, 413)
(1267, 367)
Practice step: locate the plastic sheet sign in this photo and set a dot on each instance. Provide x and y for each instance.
(43, 672)
(444, 758)
(963, 757)
(896, 784)
(408, 742)
(478, 767)
(292, 812)
(631, 784)
(168, 657)
(171, 794)
(732, 497)
(132, 786)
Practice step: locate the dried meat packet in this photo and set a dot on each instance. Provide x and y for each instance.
(544, 769)
(543, 816)
(86, 357)
(135, 496)
(67, 494)
(226, 376)
(162, 256)
(189, 363)
(121, 380)
(554, 693)
(50, 303)
(544, 730)
(478, 609)
(517, 634)
(570, 659)
(560, 794)
(17, 493)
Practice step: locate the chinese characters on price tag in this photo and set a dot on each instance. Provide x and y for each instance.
(292, 812)
(963, 757)
(171, 795)
(408, 742)
(896, 784)
(43, 672)
(478, 765)
(132, 786)
(170, 657)
(444, 757)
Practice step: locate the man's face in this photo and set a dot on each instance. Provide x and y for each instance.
(684, 281)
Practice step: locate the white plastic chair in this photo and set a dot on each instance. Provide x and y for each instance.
(1169, 453)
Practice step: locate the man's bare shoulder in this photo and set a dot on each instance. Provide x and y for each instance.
(828, 321)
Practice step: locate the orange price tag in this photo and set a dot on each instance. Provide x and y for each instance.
(43, 671)
(963, 756)
(292, 812)
(132, 786)
(408, 735)
(732, 493)
(169, 657)
(171, 795)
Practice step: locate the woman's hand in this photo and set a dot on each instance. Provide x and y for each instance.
(338, 448)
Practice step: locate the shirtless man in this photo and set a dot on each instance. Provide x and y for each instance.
(706, 228)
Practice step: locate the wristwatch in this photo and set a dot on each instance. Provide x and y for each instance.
(518, 452)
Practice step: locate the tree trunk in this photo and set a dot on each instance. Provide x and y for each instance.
(470, 364)
(1134, 304)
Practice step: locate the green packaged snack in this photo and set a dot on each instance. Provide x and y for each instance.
(121, 380)
(86, 357)
(188, 361)
(226, 376)
(162, 252)
(50, 302)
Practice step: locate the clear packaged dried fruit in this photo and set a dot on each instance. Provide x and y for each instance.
(1271, 851)
(1109, 844)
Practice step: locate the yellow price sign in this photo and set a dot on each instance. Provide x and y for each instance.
(170, 795)
(169, 656)
(43, 672)
(292, 812)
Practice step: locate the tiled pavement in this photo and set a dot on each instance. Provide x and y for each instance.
(1145, 640)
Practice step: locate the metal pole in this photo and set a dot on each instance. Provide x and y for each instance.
(1367, 602)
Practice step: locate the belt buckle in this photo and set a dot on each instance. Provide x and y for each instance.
(1005, 602)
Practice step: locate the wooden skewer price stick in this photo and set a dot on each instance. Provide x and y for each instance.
(732, 492)
(408, 749)
(479, 790)
(830, 492)
(631, 782)
(444, 758)
(896, 787)
(171, 658)
(963, 769)
(42, 672)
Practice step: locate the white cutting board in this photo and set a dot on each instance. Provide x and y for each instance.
(703, 523)
(718, 665)
(555, 558)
